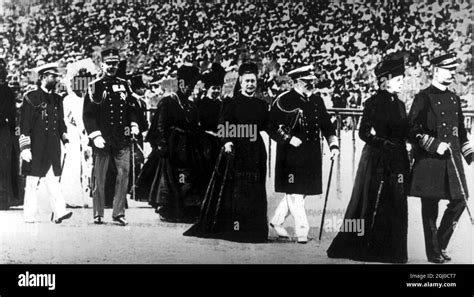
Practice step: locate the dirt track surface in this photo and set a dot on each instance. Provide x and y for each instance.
(149, 241)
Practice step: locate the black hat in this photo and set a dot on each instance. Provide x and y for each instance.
(110, 54)
(446, 61)
(137, 82)
(214, 77)
(247, 68)
(189, 73)
(390, 68)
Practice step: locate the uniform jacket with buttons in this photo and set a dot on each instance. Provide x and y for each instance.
(298, 169)
(436, 117)
(109, 111)
(42, 129)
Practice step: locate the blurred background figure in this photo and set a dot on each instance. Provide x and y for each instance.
(139, 89)
(76, 189)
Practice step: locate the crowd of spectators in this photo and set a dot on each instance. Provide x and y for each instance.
(344, 39)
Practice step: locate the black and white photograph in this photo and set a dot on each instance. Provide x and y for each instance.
(334, 133)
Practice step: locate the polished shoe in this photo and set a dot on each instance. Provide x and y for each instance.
(64, 217)
(120, 221)
(436, 259)
(98, 220)
(445, 256)
(280, 231)
(302, 239)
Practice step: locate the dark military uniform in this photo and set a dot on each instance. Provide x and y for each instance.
(109, 112)
(299, 169)
(436, 117)
(42, 127)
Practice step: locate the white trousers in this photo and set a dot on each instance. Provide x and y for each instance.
(30, 206)
(292, 204)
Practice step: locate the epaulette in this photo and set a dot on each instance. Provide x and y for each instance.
(279, 96)
(284, 106)
(28, 99)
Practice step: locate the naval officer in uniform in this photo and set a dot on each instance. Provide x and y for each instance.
(42, 130)
(440, 140)
(297, 118)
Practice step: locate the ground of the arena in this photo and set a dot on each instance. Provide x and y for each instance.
(147, 240)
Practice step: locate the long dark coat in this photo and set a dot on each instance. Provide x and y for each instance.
(42, 127)
(9, 169)
(171, 177)
(241, 214)
(298, 170)
(384, 128)
(435, 117)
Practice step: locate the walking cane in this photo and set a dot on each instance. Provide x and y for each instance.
(210, 187)
(326, 199)
(62, 166)
(229, 158)
(377, 200)
(460, 184)
(133, 166)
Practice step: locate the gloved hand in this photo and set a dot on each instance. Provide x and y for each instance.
(26, 155)
(442, 148)
(65, 141)
(99, 142)
(134, 130)
(228, 147)
(295, 141)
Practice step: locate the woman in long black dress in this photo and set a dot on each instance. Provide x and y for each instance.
(9, 169)
(239, 211)
(171, 177)
(379, 196)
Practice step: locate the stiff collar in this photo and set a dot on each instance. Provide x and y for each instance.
(46, 90)
(439, 86)
(300, 93)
